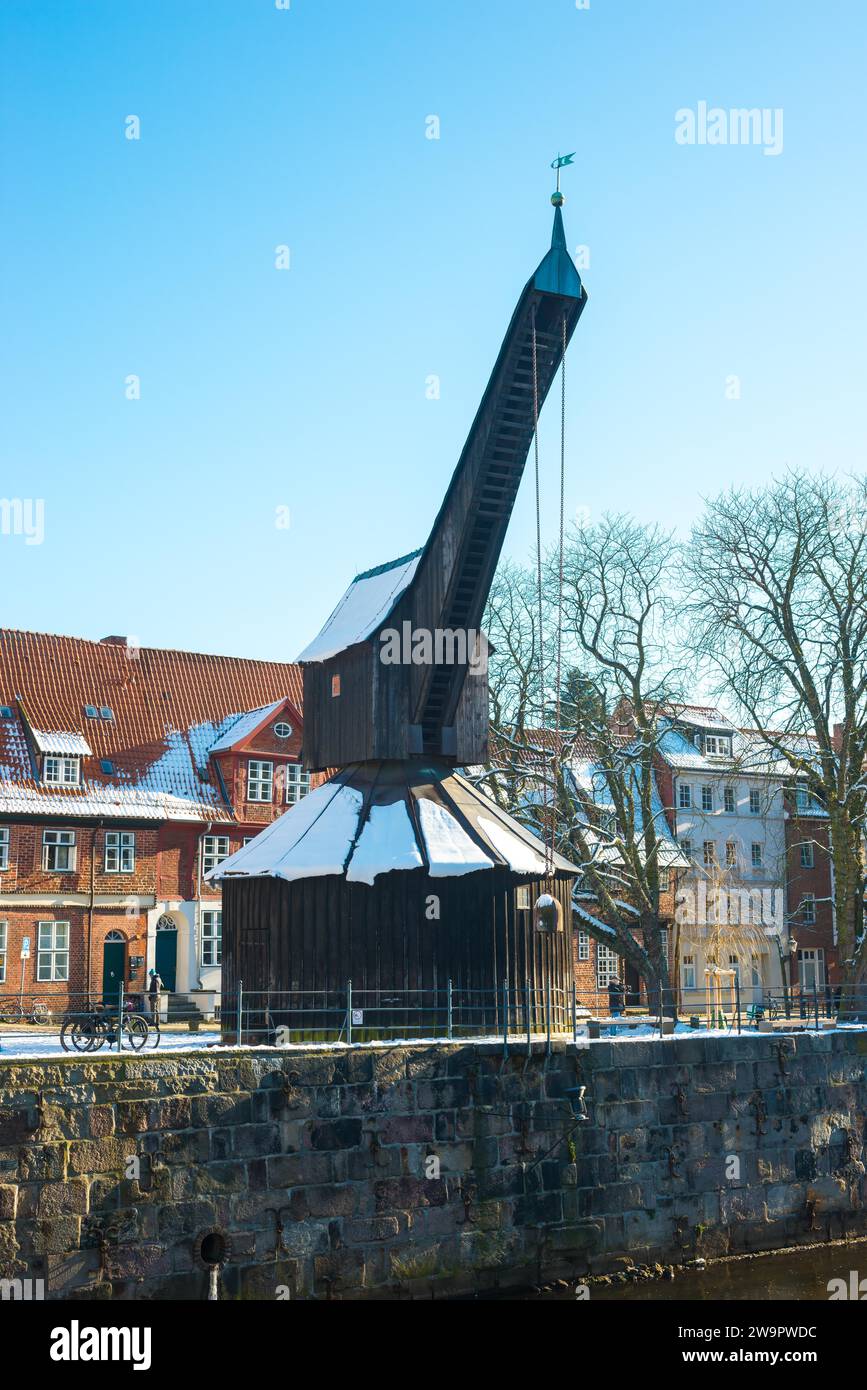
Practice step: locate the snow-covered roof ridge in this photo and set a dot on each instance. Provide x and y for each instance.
(242, 724)
(71, 743)
(367, 602)
(378, 818)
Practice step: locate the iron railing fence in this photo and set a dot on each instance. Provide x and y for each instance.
(351, 1015)
(86, 1020)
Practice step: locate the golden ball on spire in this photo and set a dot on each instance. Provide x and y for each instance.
(557, 199)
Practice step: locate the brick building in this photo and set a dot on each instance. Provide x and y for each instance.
(126, 773)
(809, 888)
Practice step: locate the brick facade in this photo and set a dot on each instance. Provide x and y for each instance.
(166, 767)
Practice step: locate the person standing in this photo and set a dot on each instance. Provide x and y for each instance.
(154, 994)
(615, 997)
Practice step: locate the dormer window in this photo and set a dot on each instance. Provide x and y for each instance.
(717, 746)
(60, 771)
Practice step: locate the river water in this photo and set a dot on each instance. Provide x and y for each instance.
(795, 1275)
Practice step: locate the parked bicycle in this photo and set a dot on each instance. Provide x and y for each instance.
(15, 1011)
(90, 1030)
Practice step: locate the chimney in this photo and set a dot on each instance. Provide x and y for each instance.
(113, 641)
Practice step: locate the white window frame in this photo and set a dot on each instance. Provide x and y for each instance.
(119, 852)
(717, 746)
(664, 876)
(684, 796)
(807, 858)
(663, 944)
(815, 956)
(297, 784)
(686, 847)
(755, 802)
(729, 801)
(215, 848)
(260, 778)
(4, 847)
(709, 854)
(731, 854)
(607, 965)
(61, 770)
(583, 945)
(282, 729)
(59, 840)
(52, 959)
(757, 854)
(807, 910)
(687, 972)
(707, 797)
(212, 936)
(4, 945)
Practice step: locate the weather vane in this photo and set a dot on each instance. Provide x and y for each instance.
(559, 163)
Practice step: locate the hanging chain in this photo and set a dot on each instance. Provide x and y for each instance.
(539, 563)
(545, 805)
(557, 735)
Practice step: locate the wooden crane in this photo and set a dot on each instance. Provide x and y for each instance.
(358, 705)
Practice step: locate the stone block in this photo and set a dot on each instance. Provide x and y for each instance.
(63, 1198)
(337, 1134)
(100, 1155)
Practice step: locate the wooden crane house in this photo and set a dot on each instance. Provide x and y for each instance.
(397, 873)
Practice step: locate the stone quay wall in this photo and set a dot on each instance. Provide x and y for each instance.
(420, 1170)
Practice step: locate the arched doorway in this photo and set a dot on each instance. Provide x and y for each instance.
(113, 966)
(166, 954)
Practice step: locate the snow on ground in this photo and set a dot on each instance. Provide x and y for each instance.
(24, 1046)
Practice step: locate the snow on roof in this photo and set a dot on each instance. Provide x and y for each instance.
(168, 707)
(702, 717)
(449, 848)
(518, 855)
(363, 823)
(61, 742)
(387, 842)
(367, 602)
(242, 725)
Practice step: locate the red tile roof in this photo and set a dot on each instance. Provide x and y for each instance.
(168, 709)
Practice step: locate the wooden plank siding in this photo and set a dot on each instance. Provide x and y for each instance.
(313, 935)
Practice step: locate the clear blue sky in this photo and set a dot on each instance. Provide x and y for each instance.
(306, 388)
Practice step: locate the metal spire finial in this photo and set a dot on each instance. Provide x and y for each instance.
(557, 198)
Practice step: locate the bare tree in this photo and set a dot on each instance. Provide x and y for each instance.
(779, 579)
(621, 627)
(515, 683)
